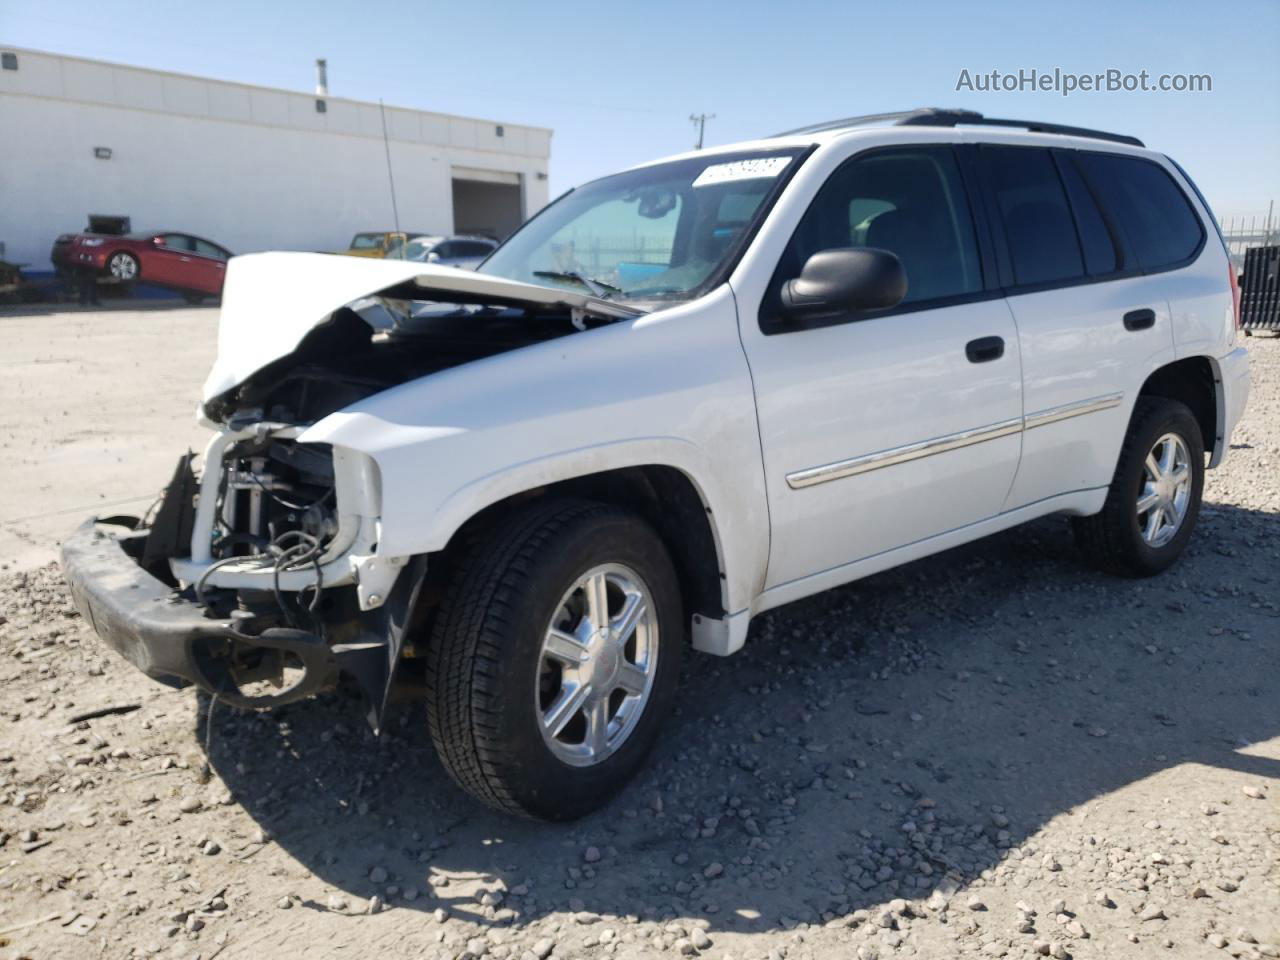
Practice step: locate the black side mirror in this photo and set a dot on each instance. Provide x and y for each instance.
(845, 280)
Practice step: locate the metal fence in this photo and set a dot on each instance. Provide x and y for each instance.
(1254, 246)
(1243, 233)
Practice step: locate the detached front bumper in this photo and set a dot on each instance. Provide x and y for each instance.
(171, 638)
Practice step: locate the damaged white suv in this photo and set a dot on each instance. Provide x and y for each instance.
(678, 397)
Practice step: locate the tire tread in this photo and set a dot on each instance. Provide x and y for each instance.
(1101, 537)
(466, 650)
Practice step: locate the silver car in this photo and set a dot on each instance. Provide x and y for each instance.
(464, 252)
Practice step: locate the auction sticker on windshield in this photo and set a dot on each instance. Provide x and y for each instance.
(756, 168)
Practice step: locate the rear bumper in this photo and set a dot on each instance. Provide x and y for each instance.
(1233, 373)
(168, 637)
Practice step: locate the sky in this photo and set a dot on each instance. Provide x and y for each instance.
(618, 81)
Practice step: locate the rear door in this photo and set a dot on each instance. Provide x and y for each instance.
(886, 428)
(1091, 323)
(207, 267)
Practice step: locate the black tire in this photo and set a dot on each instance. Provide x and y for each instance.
(195, 299)
(1112, 540)
(485, 656)
(124, 276)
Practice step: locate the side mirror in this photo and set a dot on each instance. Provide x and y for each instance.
(433, 257)
(845, 280)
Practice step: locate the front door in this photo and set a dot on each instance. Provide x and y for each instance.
(888, 428)
(170, 264)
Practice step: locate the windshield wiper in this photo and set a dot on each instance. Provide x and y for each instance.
(597, 288)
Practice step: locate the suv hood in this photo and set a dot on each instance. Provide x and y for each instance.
(271, 301)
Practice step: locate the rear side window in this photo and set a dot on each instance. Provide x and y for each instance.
(1095, 239)
(207, 249)
(1037, 220)
(1158, 222)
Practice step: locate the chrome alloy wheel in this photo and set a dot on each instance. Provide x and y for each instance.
(597, 665)
(123, 267)
(1166, 490)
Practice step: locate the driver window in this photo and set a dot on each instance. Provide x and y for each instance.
(178, 241)
(910, 202)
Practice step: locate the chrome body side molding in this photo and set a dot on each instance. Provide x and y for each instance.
(1068, 410)
(912, 451)
(812, 476)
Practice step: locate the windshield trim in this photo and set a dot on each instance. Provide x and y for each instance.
(798, 155)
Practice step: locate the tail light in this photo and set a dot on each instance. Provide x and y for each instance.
(1235, 291)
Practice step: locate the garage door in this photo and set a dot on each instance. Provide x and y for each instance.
(487, 202)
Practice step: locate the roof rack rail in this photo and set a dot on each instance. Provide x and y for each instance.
(939, 117)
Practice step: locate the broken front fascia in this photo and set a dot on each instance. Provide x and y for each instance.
(349, 557)
(271, 302)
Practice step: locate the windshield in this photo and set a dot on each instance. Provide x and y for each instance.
(660, 232)
(416, 249)
(367, 241)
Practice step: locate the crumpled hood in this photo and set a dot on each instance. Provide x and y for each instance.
(270, 301)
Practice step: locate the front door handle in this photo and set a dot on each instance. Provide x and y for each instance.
(1140, 319)
(984, 349)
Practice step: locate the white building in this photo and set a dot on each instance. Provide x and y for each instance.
(251, 168)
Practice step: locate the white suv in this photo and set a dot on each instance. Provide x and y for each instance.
(678, 397)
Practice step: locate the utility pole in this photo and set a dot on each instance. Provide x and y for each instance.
(700, 121)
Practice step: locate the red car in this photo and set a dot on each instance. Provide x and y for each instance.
(191, 265)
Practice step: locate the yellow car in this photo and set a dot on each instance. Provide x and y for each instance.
(377, 244)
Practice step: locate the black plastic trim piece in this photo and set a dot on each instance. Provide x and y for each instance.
(970, 175)
(817, 323)
(1119, 242)
(939, 117)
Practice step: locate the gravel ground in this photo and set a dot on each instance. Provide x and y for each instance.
(993, 752)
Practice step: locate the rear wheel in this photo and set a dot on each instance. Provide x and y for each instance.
(195, 299)
(554, 659)
(1154, 498)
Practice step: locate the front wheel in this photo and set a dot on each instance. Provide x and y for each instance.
(1154, 498)
(123, 266)
(554, 659)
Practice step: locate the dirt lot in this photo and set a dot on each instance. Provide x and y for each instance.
(95, 406)
(994, 752)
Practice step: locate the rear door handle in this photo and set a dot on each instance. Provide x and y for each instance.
(984, 349)
(1140, 319)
